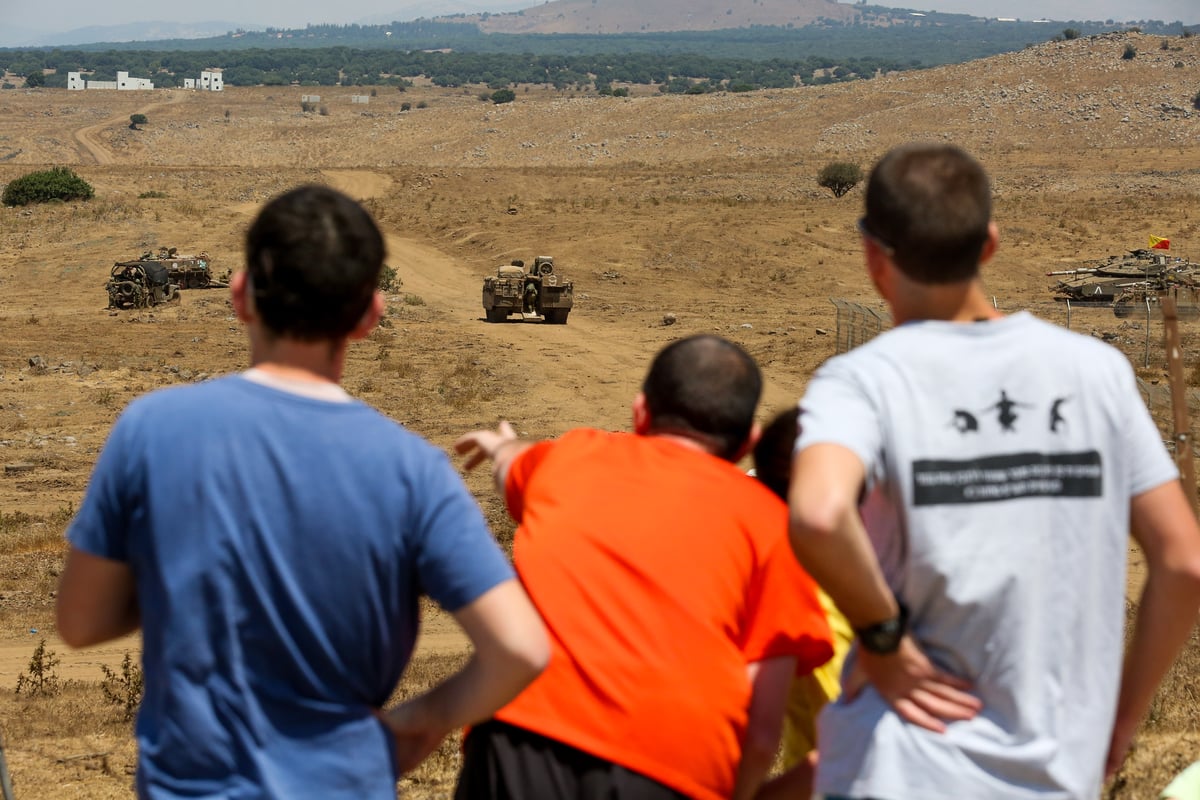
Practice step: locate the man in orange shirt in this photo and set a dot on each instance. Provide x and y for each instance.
(676, 613)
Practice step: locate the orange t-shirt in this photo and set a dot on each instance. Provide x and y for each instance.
(661, 572)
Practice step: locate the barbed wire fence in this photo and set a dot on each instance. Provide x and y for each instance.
(1135, 330)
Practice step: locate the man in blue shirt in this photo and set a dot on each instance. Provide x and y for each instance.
(271, 536)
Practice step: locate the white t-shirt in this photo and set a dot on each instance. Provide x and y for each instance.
(1001, 459)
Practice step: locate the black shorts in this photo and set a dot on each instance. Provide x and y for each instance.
(504, 762)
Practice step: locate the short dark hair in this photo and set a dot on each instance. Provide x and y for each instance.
(774, 451)
(313, 256)
(930, 204)
(707, 387)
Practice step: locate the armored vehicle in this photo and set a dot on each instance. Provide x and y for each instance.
(536, 294)
(1125, 281)
(186, 272)
(140, 284)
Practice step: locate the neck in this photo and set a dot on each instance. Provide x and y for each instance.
(692, 441)
(321, 361)
(954, 302)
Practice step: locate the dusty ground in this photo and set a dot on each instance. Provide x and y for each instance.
(701, 207)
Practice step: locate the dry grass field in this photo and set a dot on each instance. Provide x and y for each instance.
(702, 207)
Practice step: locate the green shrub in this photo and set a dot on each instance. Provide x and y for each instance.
(137, 119)
(57, 183)
(503, 96)
(1196, 101)
(1130, 52)
(1070, 33)
(388, 279)
(839, 177)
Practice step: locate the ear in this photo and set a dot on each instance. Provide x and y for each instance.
(370, 317)
(641, 415)
(878, 265)
(990, 244)
(239, 295)
(748, 445)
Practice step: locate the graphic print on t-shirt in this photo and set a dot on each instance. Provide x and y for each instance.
(1006, 476)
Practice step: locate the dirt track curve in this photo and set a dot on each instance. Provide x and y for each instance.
(89, 145)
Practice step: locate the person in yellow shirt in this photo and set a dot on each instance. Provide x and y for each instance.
(807, 694)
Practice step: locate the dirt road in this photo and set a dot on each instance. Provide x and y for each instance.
(91, 150)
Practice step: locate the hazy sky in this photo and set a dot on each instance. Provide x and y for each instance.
(64, 15)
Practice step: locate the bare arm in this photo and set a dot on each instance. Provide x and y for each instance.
(769, 680)
(830, 541)
(1165, 528)
(501, 446)
(96, 601)
(511, 650)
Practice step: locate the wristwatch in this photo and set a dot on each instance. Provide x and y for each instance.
(884, 637)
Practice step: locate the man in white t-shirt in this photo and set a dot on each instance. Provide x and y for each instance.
(963, 488)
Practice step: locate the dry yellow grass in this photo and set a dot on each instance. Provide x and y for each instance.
(701, 207)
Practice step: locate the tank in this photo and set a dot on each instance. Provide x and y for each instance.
(537, 294)
(1124, 281)
(140, 284)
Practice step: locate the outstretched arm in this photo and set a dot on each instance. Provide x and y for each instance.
(501, 446)
(1165, 528)
(510, 650)
(96, 601)
(830, 542)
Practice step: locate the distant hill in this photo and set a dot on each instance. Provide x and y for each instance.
(131, 32)
(639, 16)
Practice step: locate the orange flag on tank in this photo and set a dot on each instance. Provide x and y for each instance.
(1158, 243)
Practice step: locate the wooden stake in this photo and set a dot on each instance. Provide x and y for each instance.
(1182, 433)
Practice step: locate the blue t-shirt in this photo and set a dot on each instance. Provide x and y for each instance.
(279, 544)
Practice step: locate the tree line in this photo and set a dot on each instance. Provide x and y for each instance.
(346, 66)
(457, 53)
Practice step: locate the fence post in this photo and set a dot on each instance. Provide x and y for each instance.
(5, 782)
(1147, 360)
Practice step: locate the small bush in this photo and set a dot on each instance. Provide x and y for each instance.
(839, 177)
(1130, 52)
(406, 106)
(422, 104)
(1196, 101)
(323, 110)
(503, 96)
(1070, 33)
(307, 106)
(137, 119)
(485, 97)
(39, 677)
(124, 690)
(388, 279)
(57, 183)
(153, 194)
(414, 300)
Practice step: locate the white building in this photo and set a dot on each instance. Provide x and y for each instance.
(211, 81)
(76, 82)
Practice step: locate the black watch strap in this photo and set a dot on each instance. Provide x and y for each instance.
(884, 637)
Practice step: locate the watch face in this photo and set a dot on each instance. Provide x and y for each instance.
(884, 637)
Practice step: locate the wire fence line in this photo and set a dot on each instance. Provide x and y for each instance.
(1138, 334)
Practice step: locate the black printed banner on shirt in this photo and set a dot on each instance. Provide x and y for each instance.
(1008, 477)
